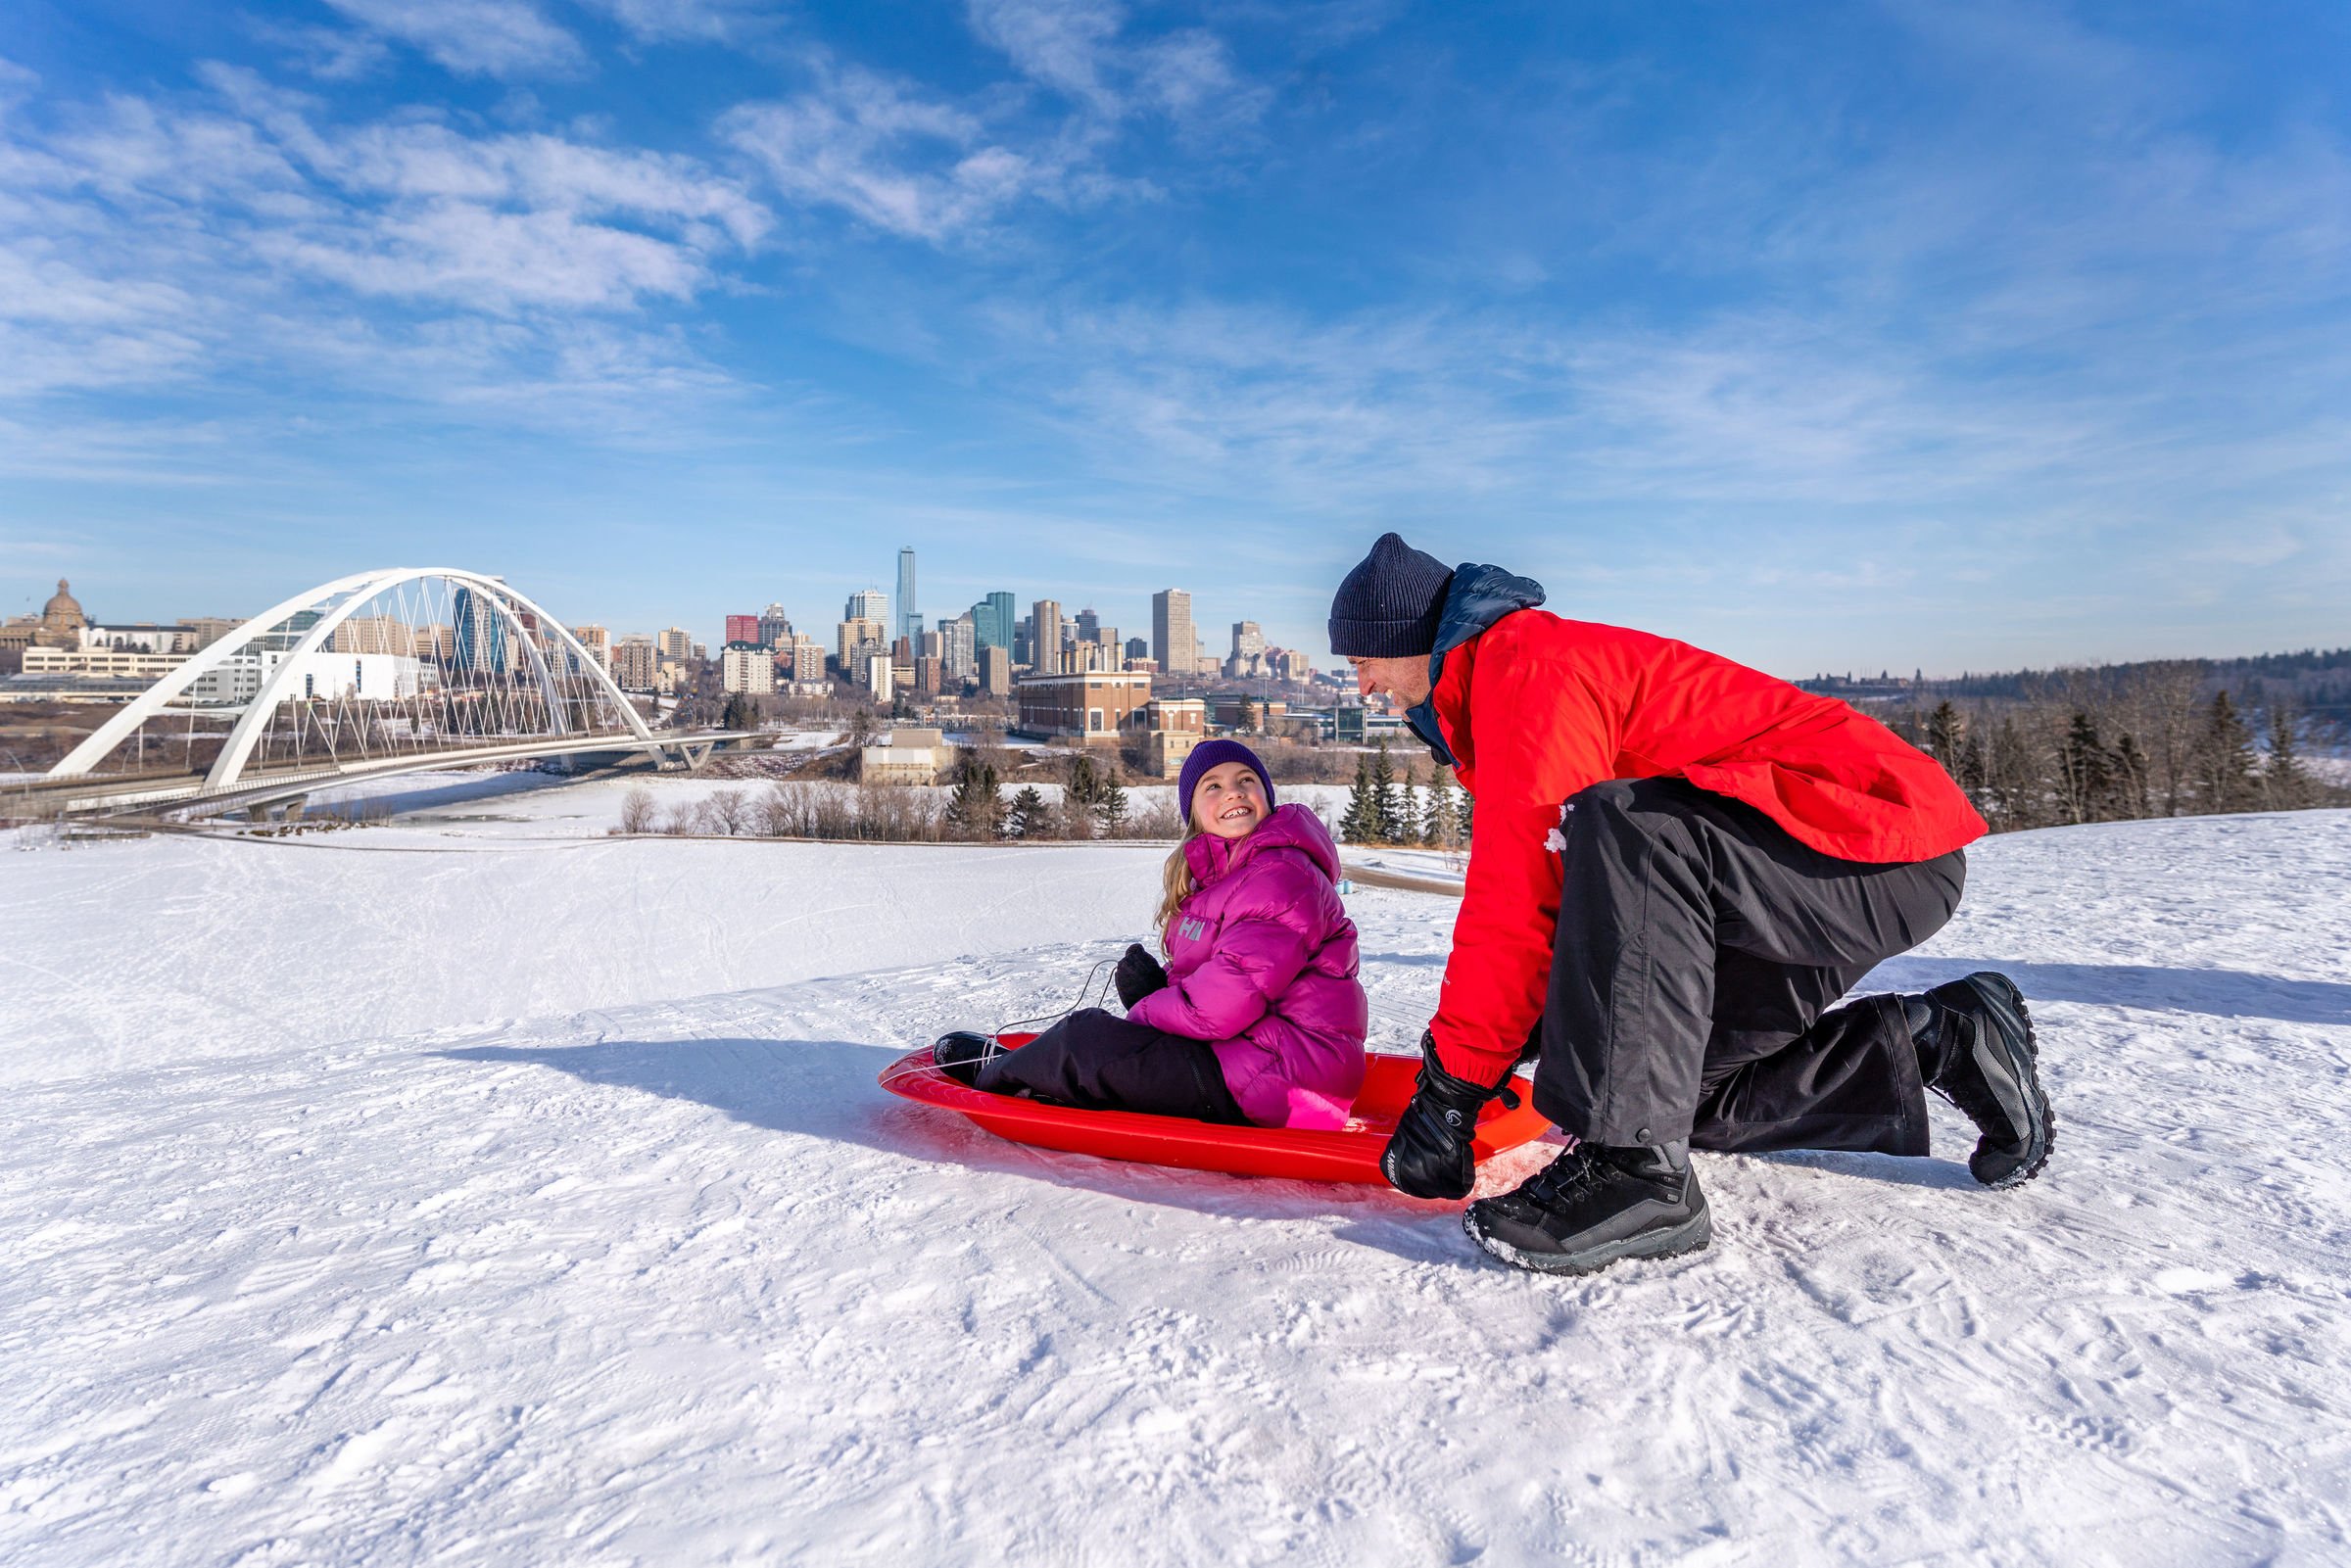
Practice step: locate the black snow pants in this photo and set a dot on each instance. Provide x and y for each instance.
(1699, 947)
(1098, 1061)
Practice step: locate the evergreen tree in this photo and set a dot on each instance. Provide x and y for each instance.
(976, 809)
(1110, 802)
(1082, 791)
(1027, 818)
(1468, 816)
(1946, 736)
(1970, 772)
(2227, 756)
(2284, 781)
(1444, 811)
(1361, 821)
(1387, 804)
(1245, 717)
(2084, 777)
(741, 712)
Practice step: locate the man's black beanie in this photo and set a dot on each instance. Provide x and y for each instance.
(1388, 608)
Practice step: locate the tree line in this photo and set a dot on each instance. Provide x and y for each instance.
(1093, 803)
(1385, 807)
(2116, 744)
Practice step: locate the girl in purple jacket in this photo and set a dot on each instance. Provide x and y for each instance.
(1257, 1016)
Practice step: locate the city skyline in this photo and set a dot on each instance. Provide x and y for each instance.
(1913, 336)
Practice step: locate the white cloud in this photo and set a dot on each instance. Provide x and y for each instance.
(662, 21)
(1068, 45)
(1076, 48)
(872, 146)
(157, 244)
(501, 38)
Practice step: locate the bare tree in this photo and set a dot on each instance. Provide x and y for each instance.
(728, 811)
(637, 811)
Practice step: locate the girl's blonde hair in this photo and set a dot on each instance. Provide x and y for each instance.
(1175, 884)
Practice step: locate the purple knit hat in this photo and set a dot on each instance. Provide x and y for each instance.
(1215, 754)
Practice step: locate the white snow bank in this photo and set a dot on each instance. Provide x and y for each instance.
(533, 1201)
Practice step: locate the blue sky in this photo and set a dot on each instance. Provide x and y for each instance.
(1855, 336)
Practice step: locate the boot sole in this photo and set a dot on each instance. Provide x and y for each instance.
(2000, 992)
(1690, 1236)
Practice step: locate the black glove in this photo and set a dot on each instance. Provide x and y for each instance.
(1137, 976)
(1428, 1155)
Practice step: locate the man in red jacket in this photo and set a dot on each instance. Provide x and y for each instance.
(1677, 865)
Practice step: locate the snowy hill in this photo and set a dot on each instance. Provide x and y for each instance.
(478, 1188)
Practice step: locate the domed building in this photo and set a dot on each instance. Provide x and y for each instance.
(62, 620)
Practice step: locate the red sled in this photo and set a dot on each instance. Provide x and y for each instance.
(1349, 1154)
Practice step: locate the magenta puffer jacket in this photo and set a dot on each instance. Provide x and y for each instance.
(1261, 965)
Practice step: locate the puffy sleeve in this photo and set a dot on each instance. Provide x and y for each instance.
(1263, 944)
(1541, 734)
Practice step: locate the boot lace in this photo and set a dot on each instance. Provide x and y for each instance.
(1572, 1172)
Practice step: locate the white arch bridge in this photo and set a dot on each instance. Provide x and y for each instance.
(384, 672)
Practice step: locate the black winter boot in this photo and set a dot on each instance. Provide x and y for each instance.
(959, 1055)
(1595, 1205)
(1429, 1155)
(1975, 1049)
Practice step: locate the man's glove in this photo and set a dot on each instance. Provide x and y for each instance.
(1428, 1155)
(1137, 976)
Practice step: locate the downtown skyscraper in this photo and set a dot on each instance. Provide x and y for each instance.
(1172, 638)
(904, 625)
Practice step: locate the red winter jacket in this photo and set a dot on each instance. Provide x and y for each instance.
(1535, 708)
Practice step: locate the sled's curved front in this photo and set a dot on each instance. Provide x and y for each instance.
(1346, 1153)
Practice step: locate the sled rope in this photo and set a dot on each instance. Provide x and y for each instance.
(1044, 1021)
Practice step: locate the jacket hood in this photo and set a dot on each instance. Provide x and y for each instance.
(1290, 827)
(1478, 597)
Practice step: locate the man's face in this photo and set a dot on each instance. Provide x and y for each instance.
(1404, 679)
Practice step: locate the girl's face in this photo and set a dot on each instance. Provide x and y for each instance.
(1229, 801)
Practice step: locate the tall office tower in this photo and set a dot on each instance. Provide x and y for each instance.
(992, 617)
(906, 593)
(481, 636)
(1044, 635)
(915, 627)
(995, 672)
(775, 628)
(743, 629)
(1089, 625)
(1172, 640)
(1247, 641)
(675, 643)
(959, 648)
(868, 604)
(1137, 648)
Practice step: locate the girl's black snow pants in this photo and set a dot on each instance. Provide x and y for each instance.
(1097, 1061)
(1699, 947)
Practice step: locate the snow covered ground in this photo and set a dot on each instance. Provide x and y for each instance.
(479, 1188)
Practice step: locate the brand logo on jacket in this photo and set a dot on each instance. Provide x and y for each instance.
(1191, 931)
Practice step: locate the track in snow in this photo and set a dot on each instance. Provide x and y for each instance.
(534, 1201)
